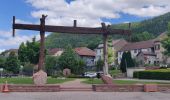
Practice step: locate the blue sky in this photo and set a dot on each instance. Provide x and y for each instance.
(62, 12)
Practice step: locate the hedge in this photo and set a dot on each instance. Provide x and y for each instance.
(161, 74)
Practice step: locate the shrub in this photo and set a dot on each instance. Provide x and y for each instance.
(161, 74)
(57, 74)
(28, 69)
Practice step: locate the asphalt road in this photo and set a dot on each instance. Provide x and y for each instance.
(84, 96)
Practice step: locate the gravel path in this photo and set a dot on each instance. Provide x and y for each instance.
(84, 96)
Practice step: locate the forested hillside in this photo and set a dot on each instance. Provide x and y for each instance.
(143, 30)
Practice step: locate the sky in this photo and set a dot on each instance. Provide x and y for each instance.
(88, 13)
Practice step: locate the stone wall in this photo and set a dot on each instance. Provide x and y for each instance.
(127, 88)
(34, 88)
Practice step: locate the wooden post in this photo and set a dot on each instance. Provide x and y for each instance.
(105, 50)
(42, 44)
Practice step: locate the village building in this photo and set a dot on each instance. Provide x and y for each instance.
(87, 55)
(116, 45)
(55, 51)
(7, 52)
(146, 52)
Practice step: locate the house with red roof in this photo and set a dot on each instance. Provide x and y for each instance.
(87, 55)
(55, 51)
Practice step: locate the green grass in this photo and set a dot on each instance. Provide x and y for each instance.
(28, 80)
(99, 81)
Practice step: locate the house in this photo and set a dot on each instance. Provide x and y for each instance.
(87, 55)
(99, 52)
(148, 51)
(146, 58)
(55, 51)
(116, 45)
(7, 52)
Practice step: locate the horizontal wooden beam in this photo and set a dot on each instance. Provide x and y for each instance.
(73, 30)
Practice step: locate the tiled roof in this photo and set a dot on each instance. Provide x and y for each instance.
(119, 44)
(83, 51)
(54, 50)
(147, 53)
(138, 45)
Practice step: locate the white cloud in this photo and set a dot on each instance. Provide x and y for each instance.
(8, 42)
(22, 21)
(91, 12)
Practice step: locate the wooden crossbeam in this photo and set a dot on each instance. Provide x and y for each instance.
(69, 29)
(73, 30)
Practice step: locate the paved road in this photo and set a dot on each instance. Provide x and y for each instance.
(84, 96)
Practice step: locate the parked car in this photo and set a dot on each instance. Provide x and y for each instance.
(90, 74)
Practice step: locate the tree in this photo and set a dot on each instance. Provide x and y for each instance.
(129, 60)
(29, 52)
(99, 65)
(126, 61)
(2, 62)
(69, 59)
(12, 63)
(28, 69)
(111, 56)
(22, 53)
(166, 42)
(51, 64)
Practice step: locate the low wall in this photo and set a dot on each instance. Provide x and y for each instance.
(127, 88)
(118, 88)
(97, 88)
(34, 88)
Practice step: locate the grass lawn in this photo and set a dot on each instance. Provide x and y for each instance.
(99, 81)
(28, 80)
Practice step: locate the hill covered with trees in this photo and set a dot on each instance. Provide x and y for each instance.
(144, 30)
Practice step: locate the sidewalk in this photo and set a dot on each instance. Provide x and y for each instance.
(146, 80)
(75, 83)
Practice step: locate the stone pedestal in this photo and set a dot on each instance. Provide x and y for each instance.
(66, 72)
(107, 79)
(40, 78)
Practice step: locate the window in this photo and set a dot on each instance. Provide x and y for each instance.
(139, 50)
(158, 47)
(149, 62)
(148, 49)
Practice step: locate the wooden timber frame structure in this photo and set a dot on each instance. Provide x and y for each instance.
(104, 30)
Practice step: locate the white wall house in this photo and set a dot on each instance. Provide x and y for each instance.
(116, 46)
(146, 47)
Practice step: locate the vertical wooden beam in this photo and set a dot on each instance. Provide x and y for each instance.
(13, 30)
(75, 23)
(42, 44)
(105, 50)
